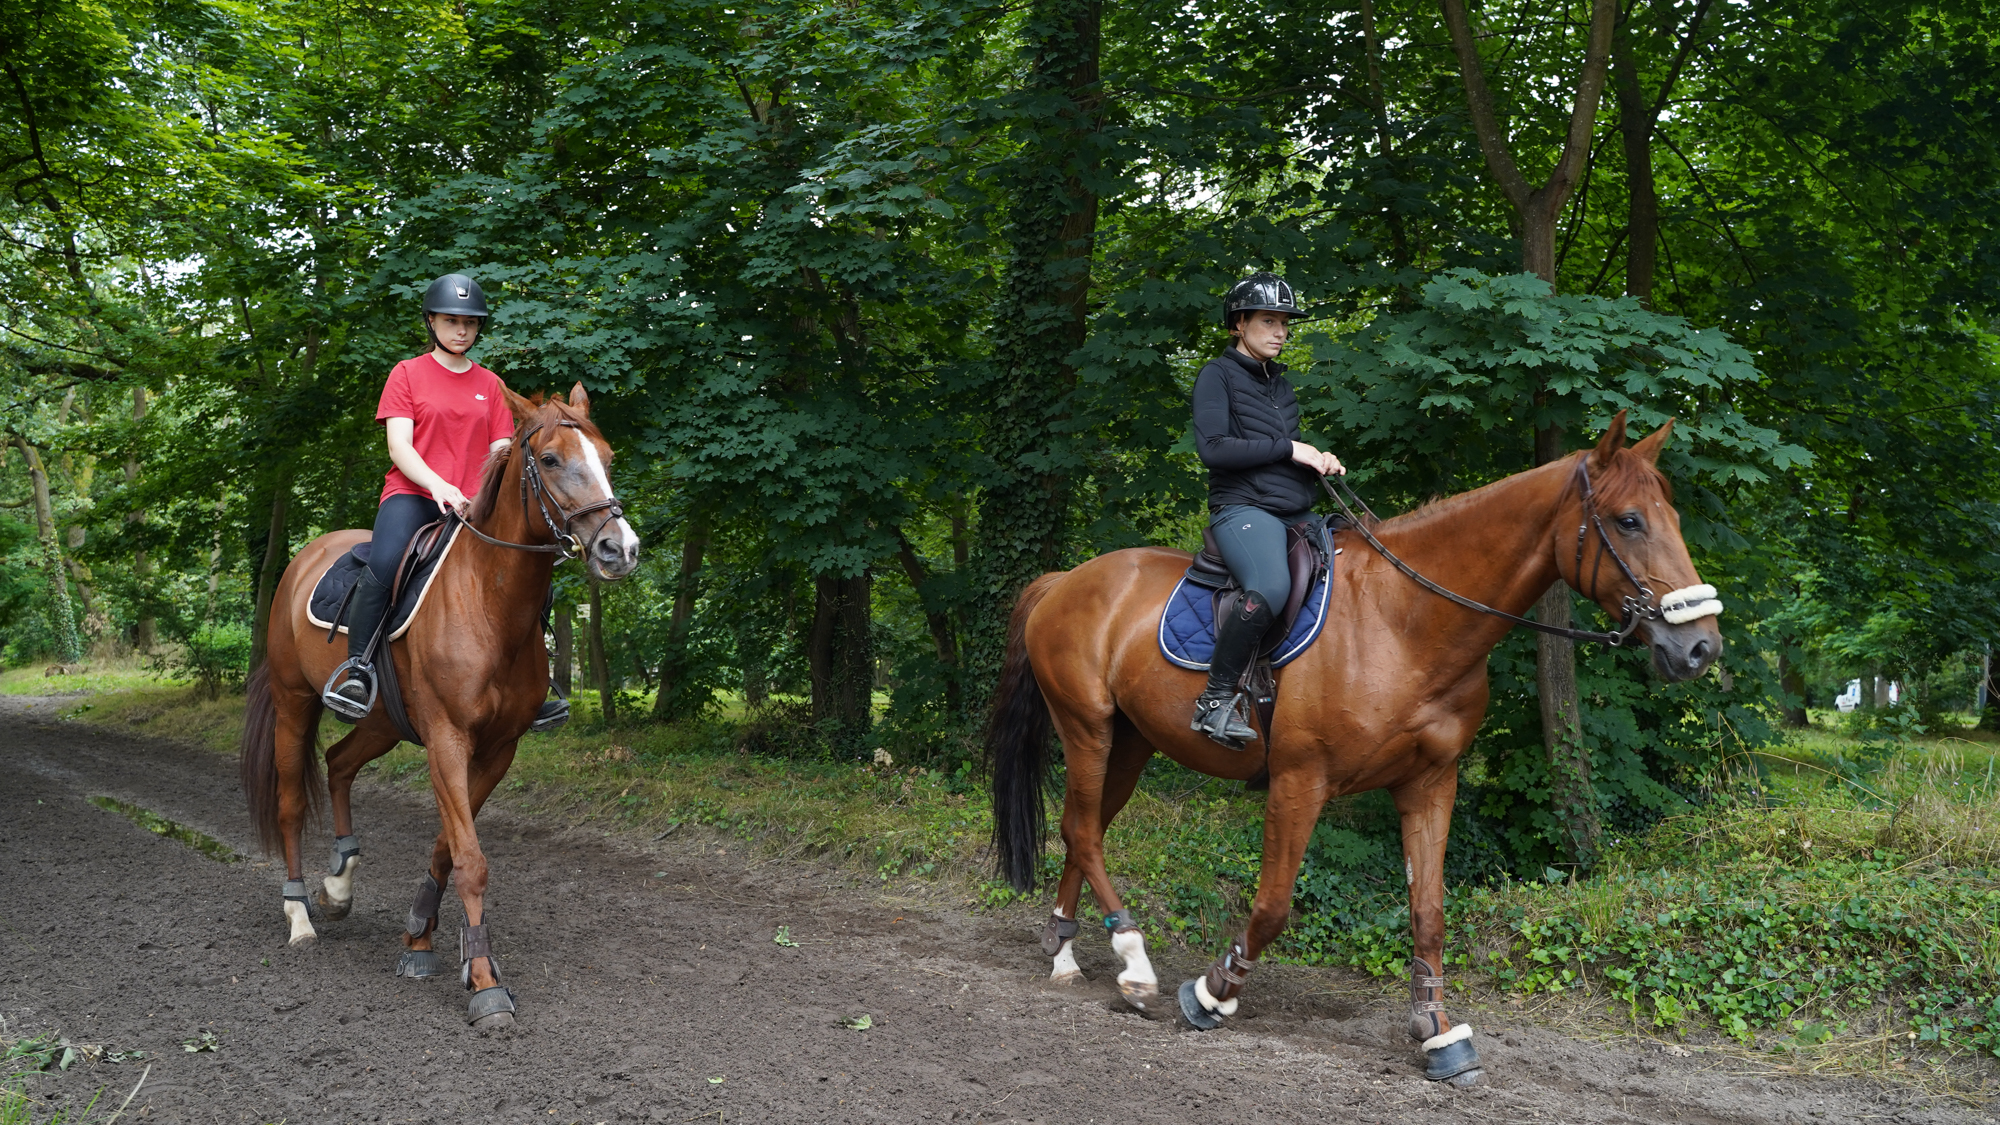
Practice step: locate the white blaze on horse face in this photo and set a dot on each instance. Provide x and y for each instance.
(302, 927)
(628, 541)
(1138, 974)
(1066, 969)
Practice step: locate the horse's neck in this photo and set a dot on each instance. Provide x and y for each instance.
(518, 581)
(1495, 545)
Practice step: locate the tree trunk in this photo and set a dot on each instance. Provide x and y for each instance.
(935, 615)
(1040, 321)
(62, 618)
(276, 553)
(562, 622)
(673, 663)
(600, 666)
(1637, 119)
(1989, 692)
(145, 631)
(841, 654)
(1793, 683)
(1570, 789)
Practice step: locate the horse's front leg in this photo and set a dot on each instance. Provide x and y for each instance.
(1297, 795)
(461, 784)
(1425, 805)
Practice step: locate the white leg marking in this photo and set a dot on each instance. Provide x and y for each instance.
(302, 927)
(1138, 974)
(627, 539)
(1066, 970)
(339, 889)
(1219, 1007)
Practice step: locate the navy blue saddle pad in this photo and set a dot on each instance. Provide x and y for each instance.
(1187, 625)
(331, 590)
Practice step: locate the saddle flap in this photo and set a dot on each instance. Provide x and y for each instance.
(1208, 569)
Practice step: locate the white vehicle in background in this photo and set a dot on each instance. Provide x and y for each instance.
(1850, 699)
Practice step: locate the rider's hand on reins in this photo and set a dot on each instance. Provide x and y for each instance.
(1325, 464)
(449, 499)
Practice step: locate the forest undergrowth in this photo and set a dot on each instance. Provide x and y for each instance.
(1833, 905)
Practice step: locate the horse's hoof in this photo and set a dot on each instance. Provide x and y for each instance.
(1198, 1017)
(490, 1008)
(1469, 1078)
(330, 910)
(1141, 995)
(419, 964)
(1452, 1056)
(1069, 979)
(303, 941)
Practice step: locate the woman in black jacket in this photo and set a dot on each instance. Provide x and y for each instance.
(1261, 478)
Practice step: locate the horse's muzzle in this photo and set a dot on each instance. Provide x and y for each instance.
(1684, 651)
(615, 552)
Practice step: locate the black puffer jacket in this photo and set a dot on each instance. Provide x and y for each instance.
(1245, 421)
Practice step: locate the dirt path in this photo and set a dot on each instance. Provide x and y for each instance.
(651, 990)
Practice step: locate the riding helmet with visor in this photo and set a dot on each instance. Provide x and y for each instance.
(1260, 292)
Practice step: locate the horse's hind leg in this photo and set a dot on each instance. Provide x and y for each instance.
(293, 753)
(344, 760)
(1104, 762)
(1129, 754)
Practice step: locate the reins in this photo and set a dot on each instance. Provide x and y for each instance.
(1695, 601)
(568, 544)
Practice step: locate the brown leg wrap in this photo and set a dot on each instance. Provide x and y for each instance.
(1059, 930)
(1427, 1016)
(1225, 977)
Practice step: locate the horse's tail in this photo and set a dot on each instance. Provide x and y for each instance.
(257, 764)
(1017, 749)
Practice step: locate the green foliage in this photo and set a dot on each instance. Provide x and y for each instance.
(210, 656)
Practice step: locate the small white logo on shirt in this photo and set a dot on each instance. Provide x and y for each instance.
(481, 398)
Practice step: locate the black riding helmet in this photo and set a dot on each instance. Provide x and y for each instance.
(1260, 292)
(454, 294)
(459, 295)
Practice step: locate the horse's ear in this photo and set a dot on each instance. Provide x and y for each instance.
(520, 406)
(1609, 445)
(1649, 446)
(579, 400)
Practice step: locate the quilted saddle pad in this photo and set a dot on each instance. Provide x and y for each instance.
(1187, 625)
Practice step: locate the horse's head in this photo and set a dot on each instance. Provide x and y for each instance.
(568, 465)
(1634, 504)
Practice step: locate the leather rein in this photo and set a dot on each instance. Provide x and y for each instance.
(1642, 606)
(568, 544)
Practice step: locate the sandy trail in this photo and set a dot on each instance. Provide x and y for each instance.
(662, 997)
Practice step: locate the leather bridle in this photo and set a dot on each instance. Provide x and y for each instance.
(1685, 604)
(568, 544)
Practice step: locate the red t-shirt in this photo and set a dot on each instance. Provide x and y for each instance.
(456, 420)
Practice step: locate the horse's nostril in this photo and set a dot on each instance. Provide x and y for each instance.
(1698, 653)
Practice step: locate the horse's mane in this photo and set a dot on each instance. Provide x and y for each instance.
(494, 473)
(1627, 472)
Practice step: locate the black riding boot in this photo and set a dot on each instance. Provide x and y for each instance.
(1218, 712)
(350, 693)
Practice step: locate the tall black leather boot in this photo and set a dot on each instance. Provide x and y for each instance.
(1218, 711)
(350, 693)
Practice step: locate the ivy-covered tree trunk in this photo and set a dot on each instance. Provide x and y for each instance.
(145, 631)
(600, 665)
(62, 617)
(669, 704)
(1538, 208)
(1039, 322)
(277, 546)
(841, 654)
(562, 623)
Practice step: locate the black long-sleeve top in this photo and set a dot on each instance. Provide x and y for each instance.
(1246, 418)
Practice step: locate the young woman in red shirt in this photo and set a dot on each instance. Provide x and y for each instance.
(444, 415)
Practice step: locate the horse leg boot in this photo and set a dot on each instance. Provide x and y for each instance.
(336, 893)
(422, 963)
(1211, 997)
(1218, 711)
(350, 691)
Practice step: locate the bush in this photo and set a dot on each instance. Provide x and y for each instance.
(211, 656)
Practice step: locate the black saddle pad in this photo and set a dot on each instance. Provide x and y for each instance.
(329, 594)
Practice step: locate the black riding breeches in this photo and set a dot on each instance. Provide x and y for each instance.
(396, 523)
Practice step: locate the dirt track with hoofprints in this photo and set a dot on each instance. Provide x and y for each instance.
(663, 997)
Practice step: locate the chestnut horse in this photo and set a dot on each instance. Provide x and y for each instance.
(1389, 697)
(474, 670)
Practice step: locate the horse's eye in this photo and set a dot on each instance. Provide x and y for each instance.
(551, 460)
(1629, 523)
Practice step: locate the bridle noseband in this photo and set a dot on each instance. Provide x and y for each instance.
(568, 544)
(1685, 604)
